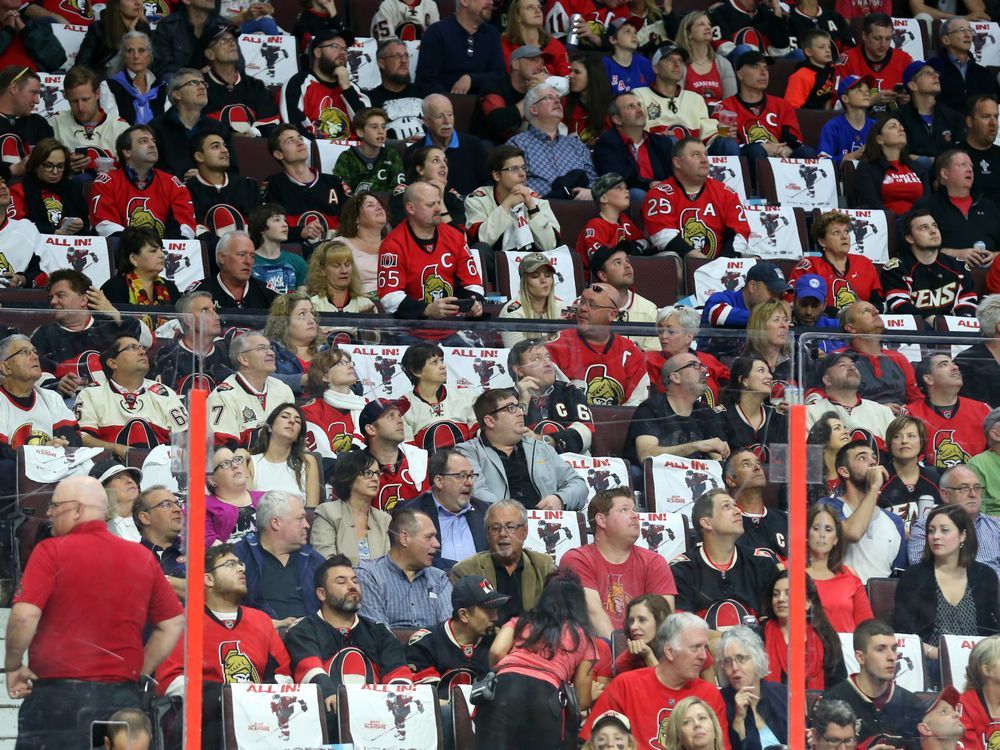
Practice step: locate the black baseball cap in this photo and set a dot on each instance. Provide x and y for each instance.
(474, 591)
(770, 274)
(374, 410)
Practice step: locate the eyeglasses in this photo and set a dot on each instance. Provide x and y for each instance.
(510, 528)
(231, 564)
(261, 349)
(131, 348)
(597, 289)
(728, 661)
(332, 45)
(517, 169)
(53, 504)
(368, 473)
(549, 98)
(166, 505)
(965, 489)
(697, 363)
(462, 476)
(397, 56)
(836, 742)
(510, 409)
(192, 82)
(48, 166)
(229, 462)
(30, 351)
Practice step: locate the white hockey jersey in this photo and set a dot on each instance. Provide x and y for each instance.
(34, 425)
(395, 18)
(143, 419)
(440, 425)
(236, 409)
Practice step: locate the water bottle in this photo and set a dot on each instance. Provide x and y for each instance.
(979, 246)
(573, 37)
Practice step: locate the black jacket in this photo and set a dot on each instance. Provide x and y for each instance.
(868, 177)
(946, 130)
(917, 611)
(175, 45)
(955, 90)
(773, 708)
(957, 231)
(898, 717)
(173, 141)
(94, 51)
(475, 517)
(612, 154)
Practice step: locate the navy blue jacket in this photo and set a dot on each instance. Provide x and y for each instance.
(306, 561)
(773, 707)
(475, 517)
(612, 154)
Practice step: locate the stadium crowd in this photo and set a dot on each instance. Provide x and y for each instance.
(354, 538)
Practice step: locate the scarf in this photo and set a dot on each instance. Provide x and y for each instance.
(138, 296)
(344, 401)
(143, 112)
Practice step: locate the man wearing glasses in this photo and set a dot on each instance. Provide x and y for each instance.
(127, 410)
(322, 100)
(510, 463)
(406, 96)
(458, 517)
(832, 726)
(159, 516)
(516, 572)
(960, 485)
(106, 593)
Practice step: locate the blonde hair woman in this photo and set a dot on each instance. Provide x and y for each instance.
(767, 336)
(333, 282)
(708, 74)
(536, 299)
(981, 699)
(692, 725)
(295, 337)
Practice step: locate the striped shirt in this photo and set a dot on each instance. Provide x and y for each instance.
(388, 596)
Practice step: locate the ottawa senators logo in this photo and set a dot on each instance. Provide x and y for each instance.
(843, 293)
(310, 216)
(53, 210)
(138, 433)
(5, 265)
(993, 742)
(235, 114)
(222, 218)
(435, 287)
(11, 148)
(341, 443)
(27, 435)
(695, 232)
(659, 742)
(155, 8)
(79, 7)
(441, 434)
(750, 35)
(138, 214)
(603, 390)
(757, 133)
(333, 123)
(236, 666)
(947, 452)
(388, 497)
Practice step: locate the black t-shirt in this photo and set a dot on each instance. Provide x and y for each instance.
(985, 170)
(656, 417)
(515, 467)
(509, 584)
(279, 587)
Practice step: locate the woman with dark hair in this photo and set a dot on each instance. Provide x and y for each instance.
(845, 601)
(909, 480)
(103, 38)
(432, 401)
(586, 110)
(643, 617)
(333, 413)
(749, 417)
(824, 658)
(230, 506)
(886, 177)
(279, 459)
(948, 592)
(351, 526)
(132, 89)
(46, 196)
(534, 654)
(830, 433)
(295, 337)
(139, 262)
(526, 25)
(430, 164)
(363, 226)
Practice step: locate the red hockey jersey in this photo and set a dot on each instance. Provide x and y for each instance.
(955, 439)
(116, 202)
(981, 731)
(599, 231)
(423, 271)
(675, 222)
(887, 74)
(773, 122)
(860, 280)
(613, 375)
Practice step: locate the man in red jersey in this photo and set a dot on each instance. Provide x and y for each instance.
(876, 57)
(138, 195)
(105, 591)
(609, 368)
(647, 696)
(692, 214)
(425, 266)
(954, 423)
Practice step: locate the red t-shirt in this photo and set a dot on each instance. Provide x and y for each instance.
(962, 204)
(845, 601)
(901, 188)
(599, 231)
(561, 667)
(647, 703)
(93, 616)
(644, 572)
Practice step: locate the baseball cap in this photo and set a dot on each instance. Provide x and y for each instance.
(752, 58)
(829, 361)
(600, 256)
(326, 35)
(374, 410)
(112, 467)
(526, 50)
(770, 274)
(532, 262)
(949, 695)
(474, 591)
(849, 82)
(603, 184)
(611, 716)
(669, 49)
(615, 26)
(811, 285)
(913, 68)
(218, 32)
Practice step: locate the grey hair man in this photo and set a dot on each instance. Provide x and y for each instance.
(681, 646)
(513, 570)
(980, 363)
(243, 401)
(833, 723)
(235, 285)
(468, 158)
(280, 563)
(175, 363)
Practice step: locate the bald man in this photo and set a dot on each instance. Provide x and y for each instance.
(80, 611)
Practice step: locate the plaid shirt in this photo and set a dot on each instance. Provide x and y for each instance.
(388, 596)
(551, 158)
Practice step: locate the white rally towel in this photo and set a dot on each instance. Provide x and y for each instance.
(677, 482)
(48, 464)
(774, 233)
(805, 183)
(87, 255)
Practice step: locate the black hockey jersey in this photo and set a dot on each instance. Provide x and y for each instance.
(556, 412)
(747, 580)
(740, 434)
(436, 656)
(223, 208)
(244, 104)
(768, 530)
(732, 24)
(175, 367)
(62, 351)
(19, 134)
(320, 200)
(944, 287)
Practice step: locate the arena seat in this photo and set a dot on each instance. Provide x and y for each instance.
(811, 122)
(370, 705)
(882, 595)
(466, 107)
(572, 216)
(812, 698)
(781, 71)
(848, 182)
(610, 428)
(286, 11)
(503, 269)
(683, 7)
(979, 281)
(462, 725)
(619, 644)
(362, 12)
(656, 278)
(954, 652)
(255, 160)
(403, 634)
(910, 665)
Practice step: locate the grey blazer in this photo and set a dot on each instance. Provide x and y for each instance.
(333, 531)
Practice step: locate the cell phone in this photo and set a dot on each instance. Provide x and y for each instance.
(899, 89)
(465, 305)
(888, 739)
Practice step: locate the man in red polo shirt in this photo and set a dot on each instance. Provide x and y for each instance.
(84, 636)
